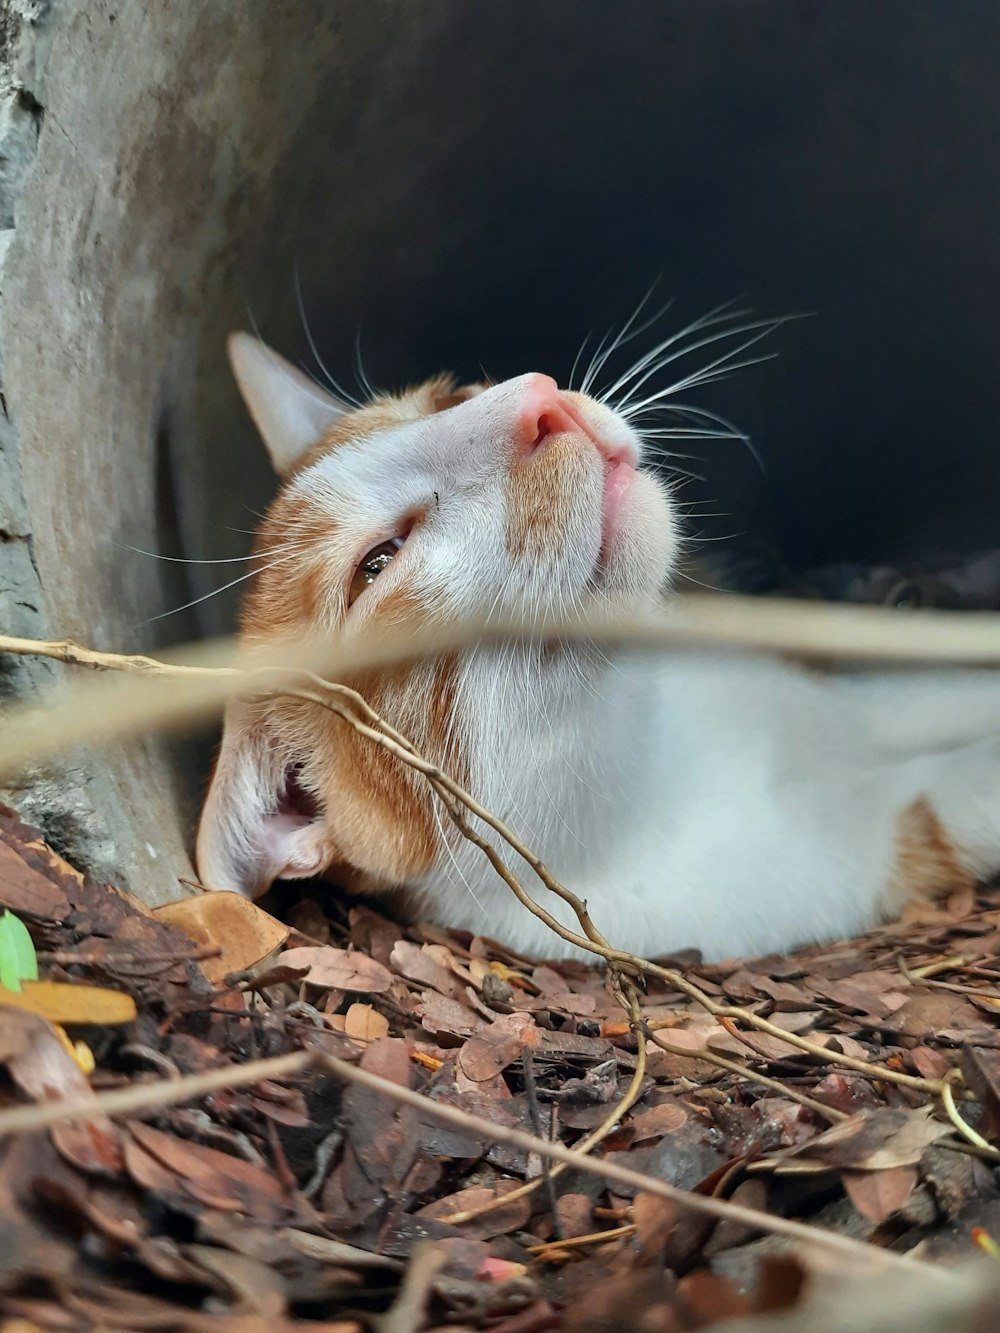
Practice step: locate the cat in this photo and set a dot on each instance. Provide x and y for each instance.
(732, 803)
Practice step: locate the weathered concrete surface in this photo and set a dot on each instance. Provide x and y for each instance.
(80, 804)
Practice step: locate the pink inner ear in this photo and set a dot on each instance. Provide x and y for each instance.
(292, 846)
(292, 836)
(294, 799)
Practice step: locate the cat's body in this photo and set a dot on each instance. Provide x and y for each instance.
(734, 804)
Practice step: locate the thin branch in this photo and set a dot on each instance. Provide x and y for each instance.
(73, 654)
(213, 670)
(146, 1096)
(348, 704)
(553, 1249)
(963, 1127)
(587, 1144)
(168, 1092)
(722, 1209)
(752, 1076)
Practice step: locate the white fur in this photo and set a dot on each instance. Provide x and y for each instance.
(736, 804)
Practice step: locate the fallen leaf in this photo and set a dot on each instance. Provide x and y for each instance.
(258, 1290)
(879, 1194)
(576, 1214)
(341, 969)
(25, 890)
(493, 1048)
(510, 1217)
(214, 1178)
(926, 1015)
(17, 953)
(417, 963)
(246, 935)
(36, 1054)
(365, 1023)
(658, 1120)
(71, 1002)
(499, 1270)
(710, 1298)
(871, 1141)
(654, 1220)
(381, 1137)
(981, 1069)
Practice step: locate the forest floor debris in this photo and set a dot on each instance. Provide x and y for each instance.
(304, 1200)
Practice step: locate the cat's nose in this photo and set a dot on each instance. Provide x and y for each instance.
(541, 411)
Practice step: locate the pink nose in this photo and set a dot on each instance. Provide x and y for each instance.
(542, 411)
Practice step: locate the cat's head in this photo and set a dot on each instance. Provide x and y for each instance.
(439, 504)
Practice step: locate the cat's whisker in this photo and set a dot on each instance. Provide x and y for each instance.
(576, 359)
(627, 334)
(225, 560)
(680, 433)
(684, 474)
(718, 315)
(337, 388)
(711, 587)
(731, 431)
(710, 376)
(361, 375)
(446, 843)
(197, 601)
(278, 365)
(760, 328)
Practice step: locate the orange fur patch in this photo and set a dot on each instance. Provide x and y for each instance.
(542, 491)
(927, 864)
(378, 812)
(424, 400)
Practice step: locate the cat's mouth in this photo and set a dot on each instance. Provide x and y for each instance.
(619, 474)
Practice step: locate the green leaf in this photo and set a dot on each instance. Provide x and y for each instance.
(17, 953)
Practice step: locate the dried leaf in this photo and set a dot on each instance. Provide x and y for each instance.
(258, 1289)
(71, 1002)
(23, 888)
(214, 1178)
(37, 1056)
(927, 1014)
(879, 1194)
(654, 1220)
(576, 1214)
(658, 1120)
(873, 1141)
(365, 1023)
(246, 935)
(511, 1217)
(418, 964)
(493, 1048)
(341, 969)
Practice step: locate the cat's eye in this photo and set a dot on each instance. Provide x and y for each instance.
(371, 567)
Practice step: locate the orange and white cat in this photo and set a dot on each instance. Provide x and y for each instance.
(733, 803)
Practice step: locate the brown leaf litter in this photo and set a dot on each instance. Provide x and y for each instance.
(300, 1201)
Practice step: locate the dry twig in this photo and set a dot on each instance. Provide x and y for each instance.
(213, 670)
(459, 803)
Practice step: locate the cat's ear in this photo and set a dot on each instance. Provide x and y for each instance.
(291, 412)
(258, 825)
